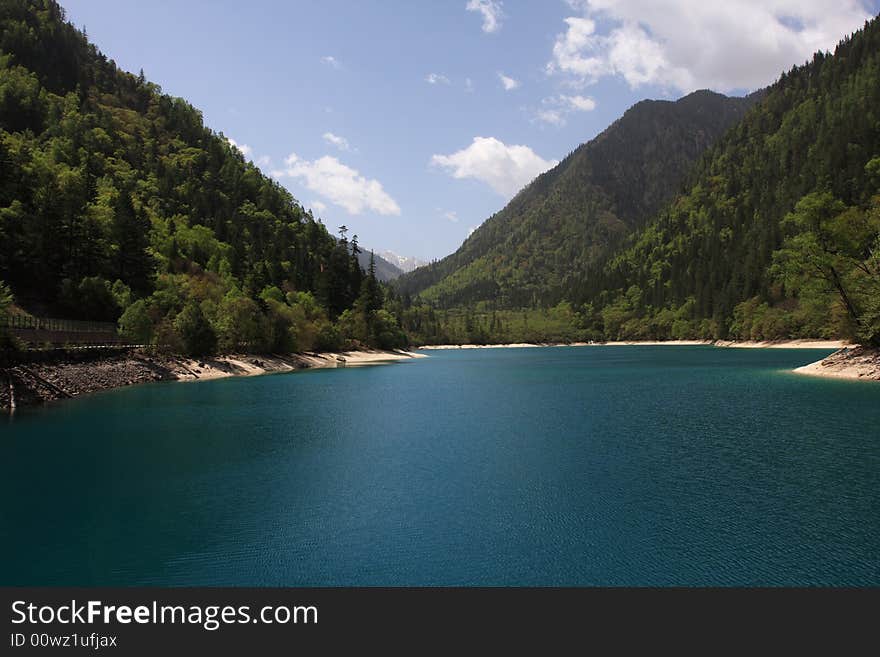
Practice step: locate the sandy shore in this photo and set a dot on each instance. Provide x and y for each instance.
(776, 344)
(511, 345)
(857, 362)
(784, 344)
(653, 343)
(521, 345)
(74, 375)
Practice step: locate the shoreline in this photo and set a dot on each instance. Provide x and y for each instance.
(848, 361)
(853, 362)
(784, 344)
(34, 383)
(219, 367)
(726, 344)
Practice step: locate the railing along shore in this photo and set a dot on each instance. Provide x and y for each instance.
(50, 332)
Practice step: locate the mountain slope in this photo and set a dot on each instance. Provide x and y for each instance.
(385, 270)
(117, 202)
(570, 216)
(792, 182)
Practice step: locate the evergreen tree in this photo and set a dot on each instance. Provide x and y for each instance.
(131, 234)
(371, 298)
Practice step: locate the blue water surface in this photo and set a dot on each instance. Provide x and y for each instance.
(558, 466)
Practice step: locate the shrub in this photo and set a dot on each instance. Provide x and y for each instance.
(135, 325)
(195, 331)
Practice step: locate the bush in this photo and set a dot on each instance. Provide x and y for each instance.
(5, 298)
(135, 325)
(166, 338)
(241, 325)
(91, 299)
(195, 331)
(327, 337)
(386, 333)
(281, 325)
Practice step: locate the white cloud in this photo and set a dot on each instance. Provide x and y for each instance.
(491, 11)
(692, 44)
(331, 61)
(436, 78)
(551, 116)
(578, 103)
(555, 108)
(452, 215)
(335, 140)
(508, 83)
(264, 161)
(340, 184)
(468, 85)
(246, 150)
(319, 206)
(506, 169)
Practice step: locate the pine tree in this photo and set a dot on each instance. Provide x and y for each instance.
(371, 298)
(134, 265)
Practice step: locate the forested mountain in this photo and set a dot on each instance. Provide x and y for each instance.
(774, 232)
(570, 216)
(116, 201)
(779, 233)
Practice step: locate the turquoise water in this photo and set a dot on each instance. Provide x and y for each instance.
(557, 466)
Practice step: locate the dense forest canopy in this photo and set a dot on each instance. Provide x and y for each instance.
(720, 260)
(742, 251)
(117, 202)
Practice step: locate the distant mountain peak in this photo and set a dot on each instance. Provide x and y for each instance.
(404, 263)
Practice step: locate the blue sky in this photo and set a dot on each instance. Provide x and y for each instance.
(411, 122)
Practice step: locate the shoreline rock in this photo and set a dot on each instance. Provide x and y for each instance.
(65, 376)
(855, 362)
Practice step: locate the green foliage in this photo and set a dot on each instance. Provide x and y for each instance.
(240, 324)
(272, 293)
(835, 247)
(90, 298)
(196, 333)
(136, 325)
(386, 333)
(105, 178)
(754, 264)
(9, 346)
(327, 336)
(283, 325)
(6, 298)
(424, 324)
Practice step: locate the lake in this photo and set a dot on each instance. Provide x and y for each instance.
(557, 466)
